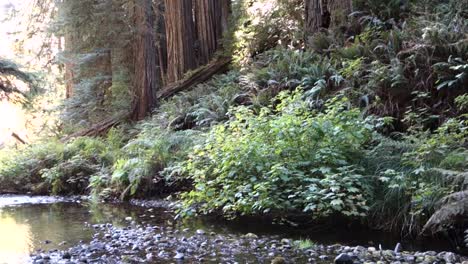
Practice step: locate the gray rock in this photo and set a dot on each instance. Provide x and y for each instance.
(359, 250)
(388, 253)
(272, 83)
(371, 249)
(135, 248)
(450, 257)
(410, 258)
(278, 260)
(179, 256)
(343, 259)
(251, 236)
(96, 246)
(66, 255)
(397, 248)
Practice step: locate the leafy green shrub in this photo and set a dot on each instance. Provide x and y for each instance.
(20, 170)
(57, 167)
(294, 161)
(82, 159)
(462, 103)
(147, 155)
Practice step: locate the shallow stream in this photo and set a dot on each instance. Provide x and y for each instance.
(29, 224)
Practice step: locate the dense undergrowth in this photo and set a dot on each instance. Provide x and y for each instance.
(368, 124)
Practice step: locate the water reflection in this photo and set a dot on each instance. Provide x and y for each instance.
(15, 240)
(27, 228)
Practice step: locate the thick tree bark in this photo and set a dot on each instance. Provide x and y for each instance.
(225, 14)
(69, 72)
(339, 12)
(206, 21)
(161, 40)
(69, 48)
(316, 17)
(211, 17)
(323, 14)
(180, 30)
(147, 75)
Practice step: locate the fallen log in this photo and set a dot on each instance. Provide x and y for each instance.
(200, 75)
(99, 129)
(18, 138)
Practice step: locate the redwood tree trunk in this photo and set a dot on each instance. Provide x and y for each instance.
(322, 14)
(225, 13)
(180, 31)
(69, 48)
(147, 76)
(316, 16)
(339, 11)
(205, 18)
(211, 22)
(161, 41)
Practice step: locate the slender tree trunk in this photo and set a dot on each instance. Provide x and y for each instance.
(69, 48)
(69, 66)
(146, 77)
(180, 30)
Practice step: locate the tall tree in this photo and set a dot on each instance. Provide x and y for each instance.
(180, 30)
(322, 14)
(70, 34)
(161, 38)
(147, 75)
(69, 65)
(211, 21)
(315, 17)
(339, 11)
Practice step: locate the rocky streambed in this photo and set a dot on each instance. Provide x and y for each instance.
(157, 244)
(59, 230)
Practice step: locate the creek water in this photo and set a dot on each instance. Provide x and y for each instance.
(28, 224)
